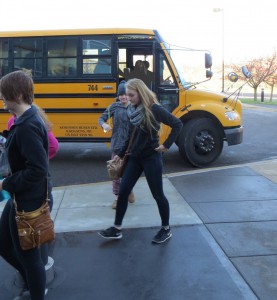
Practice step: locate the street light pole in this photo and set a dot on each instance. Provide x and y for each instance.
(222, 27)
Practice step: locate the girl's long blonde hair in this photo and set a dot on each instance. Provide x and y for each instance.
(42, 114)
(147, 99)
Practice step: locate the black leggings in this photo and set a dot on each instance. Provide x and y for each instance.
(28, 262)
(153, 167)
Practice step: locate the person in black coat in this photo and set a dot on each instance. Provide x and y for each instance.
(27, 148)
(146, 116)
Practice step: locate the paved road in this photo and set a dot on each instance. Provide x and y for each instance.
(81, 163)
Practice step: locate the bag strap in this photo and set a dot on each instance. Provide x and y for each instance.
(131, 140)
(47, 195)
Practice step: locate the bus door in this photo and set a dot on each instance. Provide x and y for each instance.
(158, 74)
(166, 85)
(136, 61)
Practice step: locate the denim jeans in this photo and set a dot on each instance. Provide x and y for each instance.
(152, 166)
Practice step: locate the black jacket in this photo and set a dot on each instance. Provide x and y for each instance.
(144, 142)
(27, 148)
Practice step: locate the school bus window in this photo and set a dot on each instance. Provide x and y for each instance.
(4, 57)
(4, 48)
(97, 66)
(122, 64)
(28, 55)
(34, 66)
(96, 56)
(169, 101)
(89, 65)
(27, 48)
(96, 47)
(103, 66)
(4, 68)
(62, 67)
(166, 77)
(62, 47)
(62, 57)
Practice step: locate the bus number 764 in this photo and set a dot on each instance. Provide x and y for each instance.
(92, 87)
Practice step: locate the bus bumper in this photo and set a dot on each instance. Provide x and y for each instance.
(234, 135)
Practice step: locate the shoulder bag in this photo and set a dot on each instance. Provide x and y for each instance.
(116, 168)
(35, 228)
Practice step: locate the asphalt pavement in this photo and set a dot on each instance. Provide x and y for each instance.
(224, 242)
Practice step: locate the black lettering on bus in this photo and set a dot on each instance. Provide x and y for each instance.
(92, 87)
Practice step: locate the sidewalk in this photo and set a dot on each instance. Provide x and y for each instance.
(224, 242)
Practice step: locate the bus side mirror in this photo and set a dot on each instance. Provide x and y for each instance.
(233, 77)
(246, 73)
(208, 61)
(209, 74)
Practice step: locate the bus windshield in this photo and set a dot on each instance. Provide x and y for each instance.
(184, 59)
(177, 56)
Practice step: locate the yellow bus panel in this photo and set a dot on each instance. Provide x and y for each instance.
(75, 88)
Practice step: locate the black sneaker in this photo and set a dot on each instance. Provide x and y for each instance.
(25, 294)
(111, 233)
(162, 236)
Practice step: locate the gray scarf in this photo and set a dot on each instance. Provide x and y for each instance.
(135, 114)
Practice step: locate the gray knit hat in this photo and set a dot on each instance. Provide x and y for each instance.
(121, 90)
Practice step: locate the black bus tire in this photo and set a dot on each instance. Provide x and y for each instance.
(200, 142)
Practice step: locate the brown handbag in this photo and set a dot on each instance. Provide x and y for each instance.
(116, 168)
(35, 228)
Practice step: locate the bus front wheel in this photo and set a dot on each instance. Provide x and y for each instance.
(200, 142)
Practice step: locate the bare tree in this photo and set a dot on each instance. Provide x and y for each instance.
(271, 80)
(262, 69)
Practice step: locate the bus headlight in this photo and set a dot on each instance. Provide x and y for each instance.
(232, 115)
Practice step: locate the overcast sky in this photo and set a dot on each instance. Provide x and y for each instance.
(249, 25)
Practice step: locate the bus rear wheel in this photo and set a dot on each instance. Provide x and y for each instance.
(200, 142)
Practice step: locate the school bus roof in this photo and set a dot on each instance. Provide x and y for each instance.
(59, 32)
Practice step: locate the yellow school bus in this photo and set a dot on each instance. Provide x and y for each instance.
(76, 74)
